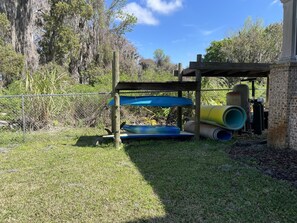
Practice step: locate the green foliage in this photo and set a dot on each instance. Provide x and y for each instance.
(15, 88)
(215, 53)
(11, 64)
(92, 73)
(4, 28)
(152, 75)
(254, 43)
(160, 58)
(10, 110)
(128, 21)
(82, 88)
(213, 97)
(48, 79)
(60, 41)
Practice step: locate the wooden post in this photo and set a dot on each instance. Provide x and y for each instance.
(267, 92)
(198, 99)
(180, 94)
(116, 121)
(112, 94)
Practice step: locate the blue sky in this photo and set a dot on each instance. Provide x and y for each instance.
(185, 28)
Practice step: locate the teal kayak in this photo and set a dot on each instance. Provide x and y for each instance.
(152, 129)
(158, 101)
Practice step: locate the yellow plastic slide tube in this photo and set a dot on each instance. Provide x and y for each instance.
(229, 117)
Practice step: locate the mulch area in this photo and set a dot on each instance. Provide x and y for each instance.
(278, 163)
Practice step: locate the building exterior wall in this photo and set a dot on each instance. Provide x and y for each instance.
(282, 131)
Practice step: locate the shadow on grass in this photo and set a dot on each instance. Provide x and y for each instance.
(199, 183)
(87, 141)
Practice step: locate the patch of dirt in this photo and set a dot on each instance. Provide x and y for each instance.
(3, 150)
(278, 163)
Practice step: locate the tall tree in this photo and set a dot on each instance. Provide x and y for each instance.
(21, 15)
(80, 33)
(60, 41)
(254, 43)
(11, 63)
(160, 57)
(215, 52)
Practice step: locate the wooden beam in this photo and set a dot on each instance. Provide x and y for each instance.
(188, 72)
(267, 92)
(158, 86)
(198, 100)
(114, 84)
(229, 66)
(179, 94)
(213, 69)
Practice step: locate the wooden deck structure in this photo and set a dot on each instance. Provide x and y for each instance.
(213, 69)
(158, 86)
(196, 69)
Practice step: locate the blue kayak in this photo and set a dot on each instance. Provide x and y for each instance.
(159, 101)
(152, 129)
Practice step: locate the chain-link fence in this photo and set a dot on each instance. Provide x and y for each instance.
(23, 114)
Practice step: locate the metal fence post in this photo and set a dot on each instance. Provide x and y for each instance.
(23, 117)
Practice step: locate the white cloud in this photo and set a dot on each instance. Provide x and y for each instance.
(274, 2)
(143, 15)
(163, 6)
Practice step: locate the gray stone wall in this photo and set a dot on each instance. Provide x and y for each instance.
(282, 131)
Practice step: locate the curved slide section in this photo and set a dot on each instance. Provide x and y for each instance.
(229, 117)
(151, 129)
(160, 101)
(209, 131)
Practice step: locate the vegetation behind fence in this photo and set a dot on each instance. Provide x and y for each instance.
(27, 113)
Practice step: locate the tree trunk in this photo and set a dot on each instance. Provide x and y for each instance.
(22, 16)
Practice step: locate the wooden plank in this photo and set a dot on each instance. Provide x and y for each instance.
(160, 86)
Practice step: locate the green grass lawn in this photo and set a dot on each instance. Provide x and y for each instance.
(51, 179)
